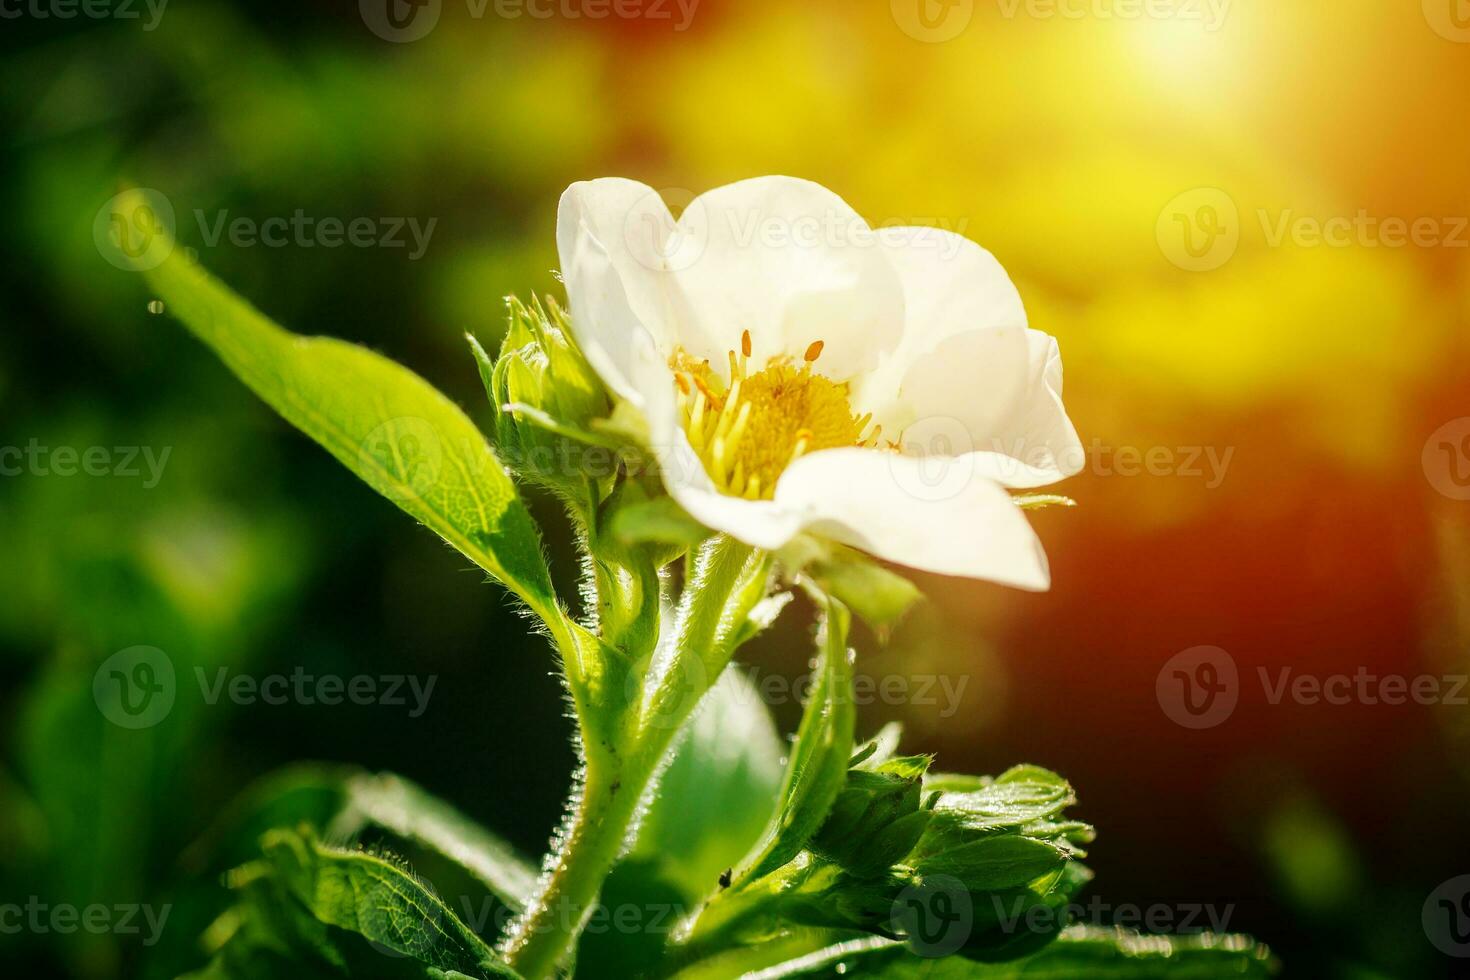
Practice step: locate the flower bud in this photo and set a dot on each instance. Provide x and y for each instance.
(546, 398)
(877, 818)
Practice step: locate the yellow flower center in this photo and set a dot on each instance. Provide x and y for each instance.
(748, 433)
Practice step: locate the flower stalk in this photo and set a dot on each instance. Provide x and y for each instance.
(625, 740)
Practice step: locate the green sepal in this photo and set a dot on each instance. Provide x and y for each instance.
(546, 398)
(881, 597)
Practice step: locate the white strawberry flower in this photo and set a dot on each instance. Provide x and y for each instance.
(801, 373)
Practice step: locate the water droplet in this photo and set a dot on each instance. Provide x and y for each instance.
(155, 306)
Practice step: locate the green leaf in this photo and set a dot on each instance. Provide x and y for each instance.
(817, 770)
(1017, 797)
(403, 808)
(1080, 952)
(385, 423)
(715, 795)
(994, 863)
(340, 801)
(367, 895)
(269, 934)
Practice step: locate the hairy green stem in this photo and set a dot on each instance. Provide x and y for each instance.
(592, 843)
(726, 581)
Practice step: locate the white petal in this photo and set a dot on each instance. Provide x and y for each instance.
(956, 398)
(789, 261)
(951, 286)
(968, 375)
(610, 234)
(935, 515)
(1035, 443)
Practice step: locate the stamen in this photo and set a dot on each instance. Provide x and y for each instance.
(696, 423)
(802, 438)
(748, 427)
(705, 390)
